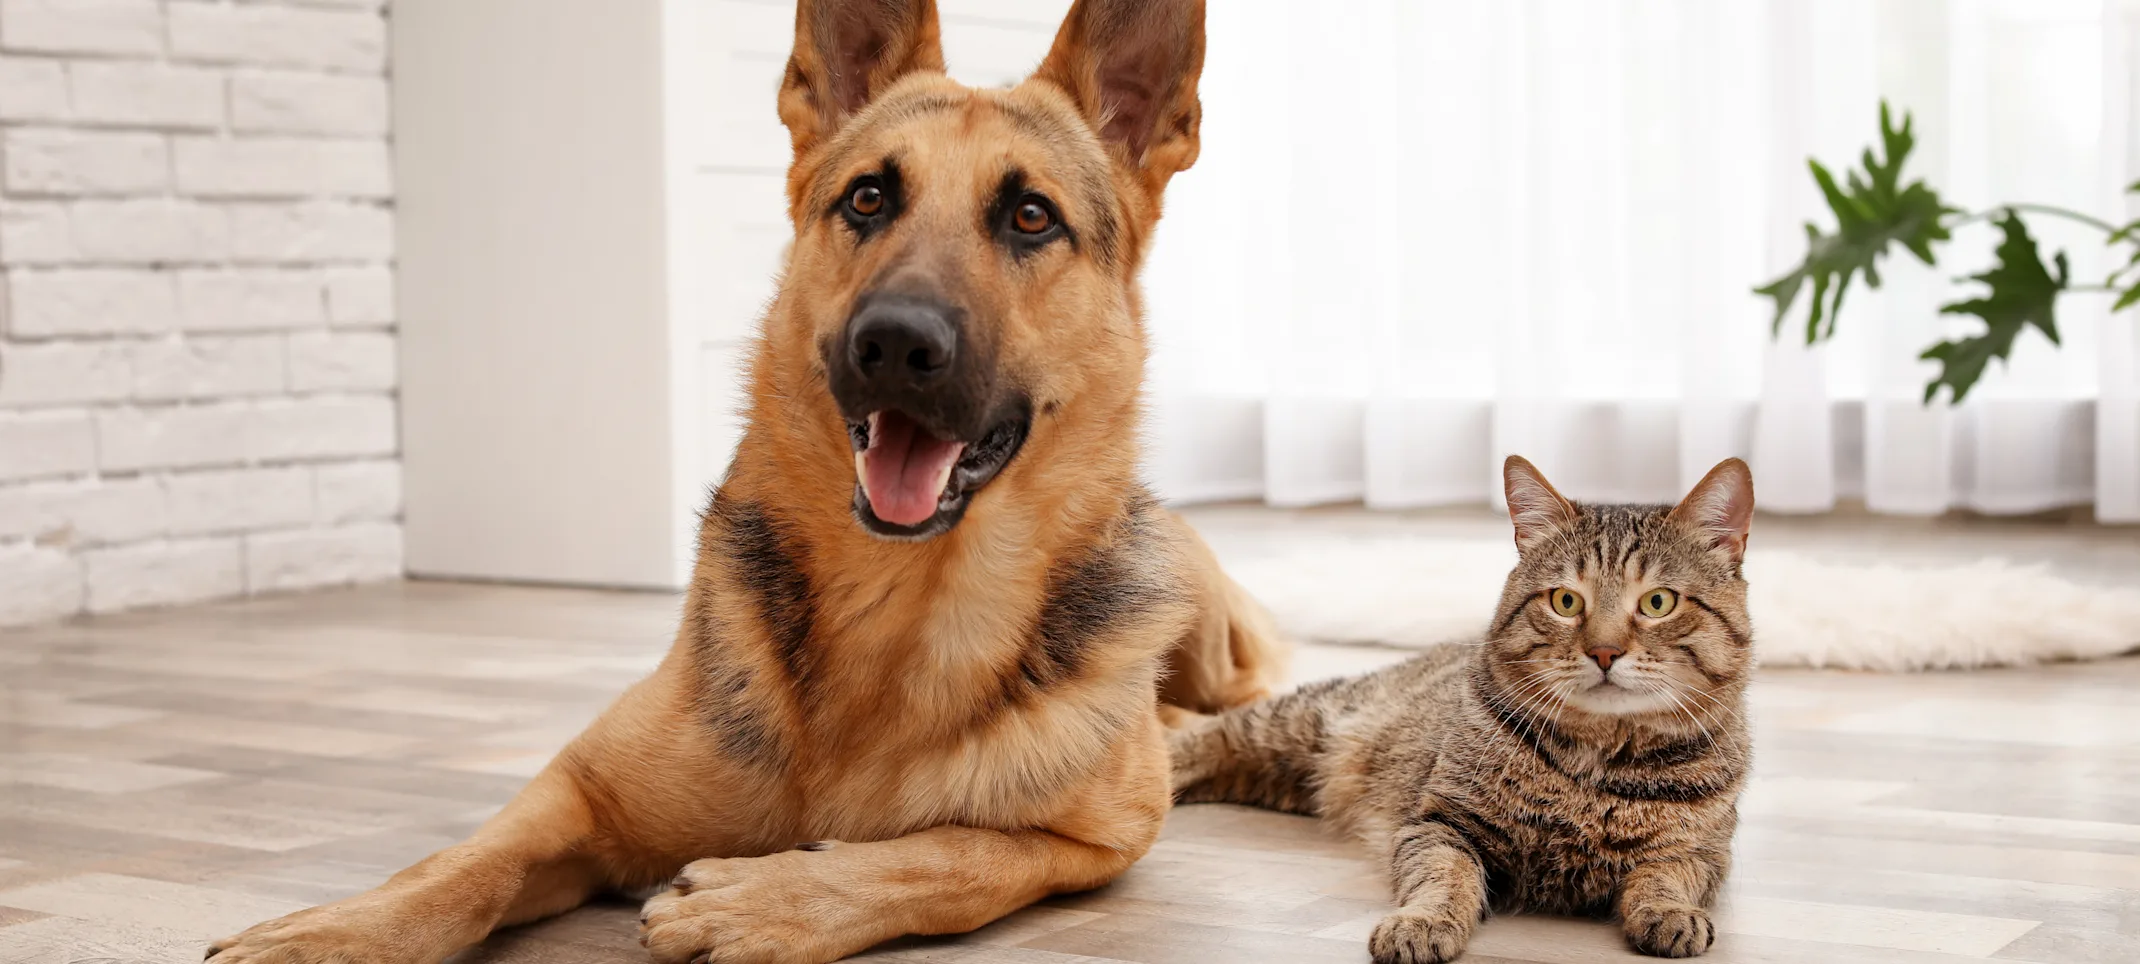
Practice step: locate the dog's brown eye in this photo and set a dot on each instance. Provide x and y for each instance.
(1032, 217)
(866, 200)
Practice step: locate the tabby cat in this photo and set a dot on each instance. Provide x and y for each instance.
(1585, 758)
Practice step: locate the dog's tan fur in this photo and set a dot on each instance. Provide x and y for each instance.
(853, 738)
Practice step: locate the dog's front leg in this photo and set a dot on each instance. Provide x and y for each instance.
(827, 901)
(526, 863)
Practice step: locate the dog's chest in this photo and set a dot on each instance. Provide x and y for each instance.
(1009, 771)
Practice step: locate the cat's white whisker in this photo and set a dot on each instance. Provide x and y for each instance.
(1659, 687)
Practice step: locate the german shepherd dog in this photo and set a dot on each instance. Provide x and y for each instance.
(917, 678)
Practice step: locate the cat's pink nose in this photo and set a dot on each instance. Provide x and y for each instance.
(1604, 655)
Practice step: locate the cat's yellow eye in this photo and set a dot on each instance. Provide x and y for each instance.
(1566, 602)
(1659, 603)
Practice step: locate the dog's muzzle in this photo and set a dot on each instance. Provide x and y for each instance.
(925, 417)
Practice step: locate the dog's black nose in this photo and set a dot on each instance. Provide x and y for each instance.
(895, 342)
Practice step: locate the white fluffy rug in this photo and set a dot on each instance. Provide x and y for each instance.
(1807, 612)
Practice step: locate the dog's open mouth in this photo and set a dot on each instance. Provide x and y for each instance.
(911, 482)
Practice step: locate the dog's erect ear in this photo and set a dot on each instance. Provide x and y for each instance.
(848, 51)
(1537, 509)
(1721, 506)
(1132, 67)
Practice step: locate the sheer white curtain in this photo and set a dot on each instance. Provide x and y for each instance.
(1428, 233)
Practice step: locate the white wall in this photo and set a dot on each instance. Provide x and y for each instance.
(197, 346)
(529, 152)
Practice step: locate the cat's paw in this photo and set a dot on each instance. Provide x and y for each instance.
(1411, 937)
(1670, 930)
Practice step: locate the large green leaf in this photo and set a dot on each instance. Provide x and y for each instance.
(1873, 209)
(2022, 292)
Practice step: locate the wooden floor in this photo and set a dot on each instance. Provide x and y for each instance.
(170, 776)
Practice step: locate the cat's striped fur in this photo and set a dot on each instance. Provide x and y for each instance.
(1587, 763)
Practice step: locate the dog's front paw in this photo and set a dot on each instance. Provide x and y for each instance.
(1670, 930)
(751, 910)
(1414, 937)
(321, 935)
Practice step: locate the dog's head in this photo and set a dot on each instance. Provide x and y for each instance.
(959, 304)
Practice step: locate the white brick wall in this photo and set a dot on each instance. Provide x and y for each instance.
(54, 161)
(63, 373)
(279, 35)
(240, 500)
(251, 299)
(32, 89)
(37, 445)
(357, 492)
(85, 512)
(197, 350)
(163, 572)
(71, 302)
(310, 232)
(282, 167)
(147, 94)
(149, 231)
(124, 27)
(208, 367)
(316, 557)
(343, 361)
(284, 102)
(41, 582)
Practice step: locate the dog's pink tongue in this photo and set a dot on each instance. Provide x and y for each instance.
(905, 469)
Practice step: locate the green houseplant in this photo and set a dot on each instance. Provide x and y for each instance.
(1875, 209)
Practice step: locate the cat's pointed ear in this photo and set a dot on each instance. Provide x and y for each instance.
(847, 52)
(1537, 509)
(1721, 507)
(1132, 68)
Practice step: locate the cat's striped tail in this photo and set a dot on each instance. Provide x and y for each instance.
(1267, 754)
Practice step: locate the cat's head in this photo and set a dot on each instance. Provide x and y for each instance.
(1625, 610)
